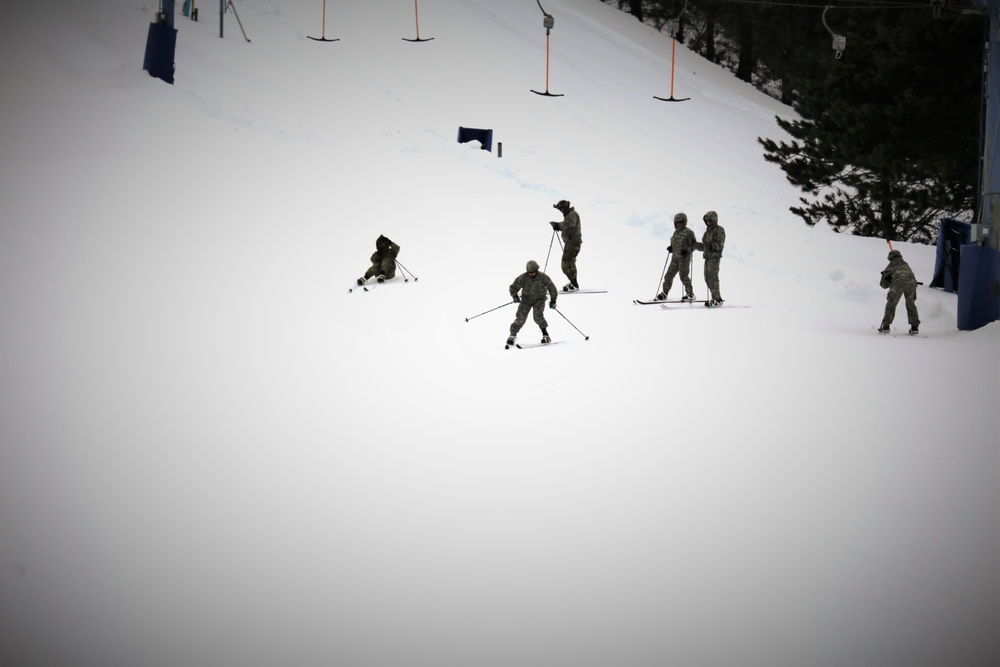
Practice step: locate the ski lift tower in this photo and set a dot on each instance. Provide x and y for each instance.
(988, 215)
(979, 277)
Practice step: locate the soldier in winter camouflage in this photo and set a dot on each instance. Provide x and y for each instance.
(898, 278)
(533, 286)
(383, 261)
(681, 244)
(572, 238)
(711, 244)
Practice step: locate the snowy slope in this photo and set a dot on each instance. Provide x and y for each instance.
(211, 453)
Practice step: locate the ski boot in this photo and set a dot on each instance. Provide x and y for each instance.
(570, 287)
(381, 278)
(510, 341)
(361, 281)
(662, 296)
(883, 328)
(687, 297)
(914, 331)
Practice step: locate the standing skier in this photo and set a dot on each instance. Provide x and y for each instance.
(572, 238)
(533, 286)
(383, 261)
(681, 244)
(711, 244)
(898, 278)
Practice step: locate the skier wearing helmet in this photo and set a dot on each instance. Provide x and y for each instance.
(572, 239)
(898, 278)
(681, 244)
(533, 286)
(711, 244)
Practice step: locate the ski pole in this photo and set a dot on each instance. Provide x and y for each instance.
(585, 336)
(549, 254)
(488, 311)
(405, 271)
(663, 273)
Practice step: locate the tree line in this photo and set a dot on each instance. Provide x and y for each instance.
(887, 135)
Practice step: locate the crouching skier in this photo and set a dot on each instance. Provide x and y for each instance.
(898, 278)
(383, 261)
(533, 286)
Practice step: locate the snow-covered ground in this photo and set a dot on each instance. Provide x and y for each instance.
(211, 453)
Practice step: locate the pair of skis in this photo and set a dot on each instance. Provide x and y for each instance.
(895, 332)
(671, 304)
(528, 346)
(368, 287)
(665, 301)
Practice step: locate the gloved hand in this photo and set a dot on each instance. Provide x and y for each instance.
(517, 299)
(670, 248)
(555, 225)
(552, 304)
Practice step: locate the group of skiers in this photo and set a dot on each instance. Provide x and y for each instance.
(682, 245)
(531, 289)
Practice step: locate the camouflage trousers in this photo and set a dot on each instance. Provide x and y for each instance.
(538, 307)
(712, 276)
(386, 267)
(680, 265)
(570, 251)
(892, 300)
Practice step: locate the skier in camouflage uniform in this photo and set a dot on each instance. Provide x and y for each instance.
(533, 286)
(711, 244)
(898, 278)
(681, 244)
(572, 238)
(383, 261)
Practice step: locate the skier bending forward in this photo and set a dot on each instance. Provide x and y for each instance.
(533, 286)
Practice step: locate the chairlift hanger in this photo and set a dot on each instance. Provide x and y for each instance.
(839, 41)
(548, 22)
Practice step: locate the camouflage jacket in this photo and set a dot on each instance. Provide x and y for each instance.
(898, 274)
(683, 242)
(533, 289)
(570, 227)
(391, 253)
(712, 241)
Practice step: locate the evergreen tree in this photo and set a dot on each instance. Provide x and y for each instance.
(886, 142)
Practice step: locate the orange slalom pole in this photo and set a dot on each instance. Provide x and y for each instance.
(673, 51)
(546, 62)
